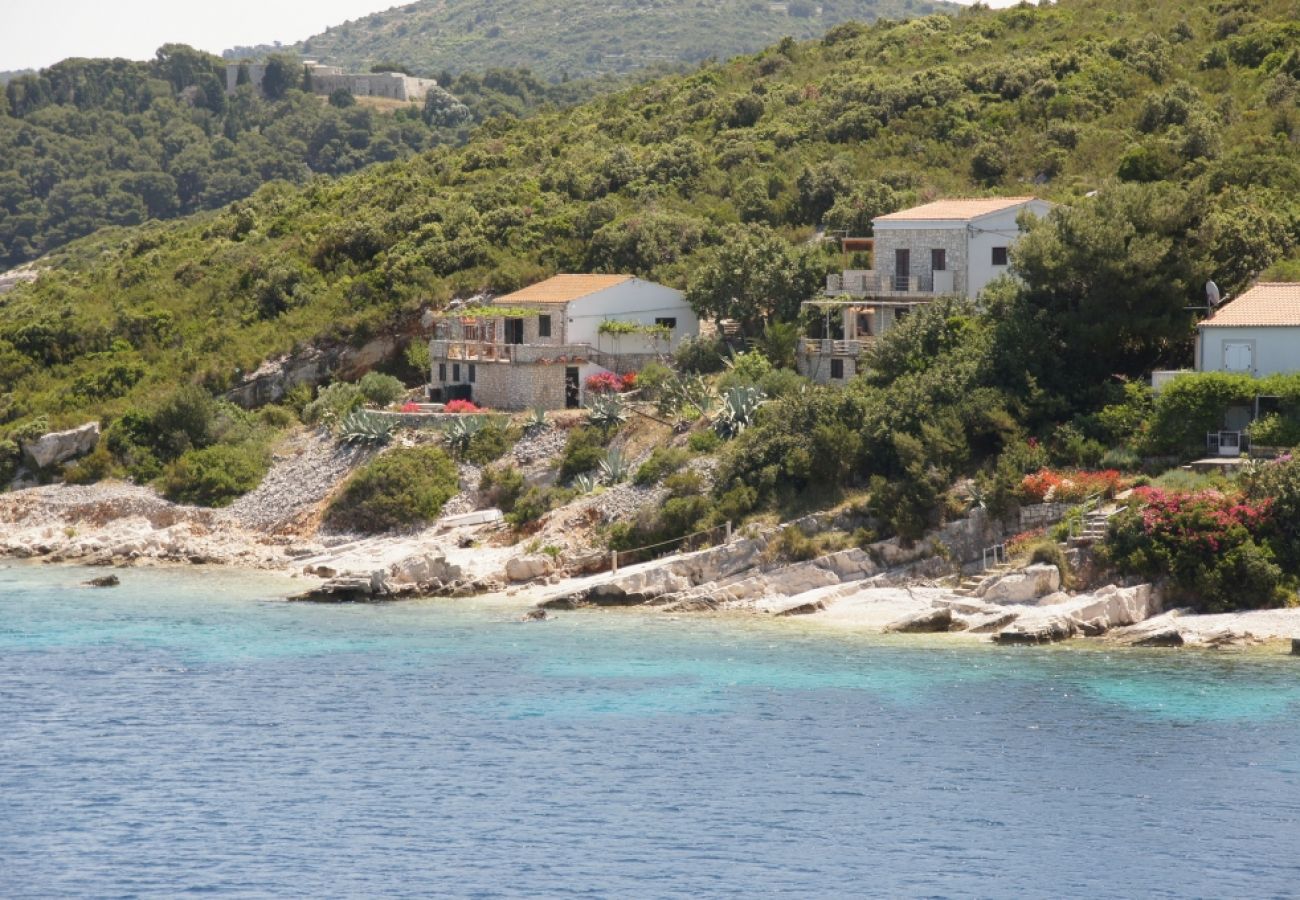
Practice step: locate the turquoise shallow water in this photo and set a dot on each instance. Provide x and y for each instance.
(187, 732)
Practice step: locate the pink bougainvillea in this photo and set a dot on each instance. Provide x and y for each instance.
(410, 407)
(461, 406)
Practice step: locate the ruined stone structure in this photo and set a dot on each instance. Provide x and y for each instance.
(325, 80)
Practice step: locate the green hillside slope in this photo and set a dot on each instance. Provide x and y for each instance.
(1063, 100)
(582, 38)
(94, 142)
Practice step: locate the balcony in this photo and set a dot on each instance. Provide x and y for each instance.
(497, 351)
(870, 283)
(818, 347)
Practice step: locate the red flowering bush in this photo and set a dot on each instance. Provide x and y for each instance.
(629, 381)
(1213, 547)
(604, 383)
(461, 406)
(410, 406)
(1047, 486)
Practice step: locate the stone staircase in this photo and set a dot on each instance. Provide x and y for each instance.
(968, 585)
(1095, 524)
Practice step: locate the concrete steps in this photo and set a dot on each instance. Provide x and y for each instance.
(969, 584)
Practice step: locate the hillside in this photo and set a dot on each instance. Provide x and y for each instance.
(93, 142)
(1198, 108)
(584, 38)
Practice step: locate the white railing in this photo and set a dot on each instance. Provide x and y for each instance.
(869, 282)
(815, 347)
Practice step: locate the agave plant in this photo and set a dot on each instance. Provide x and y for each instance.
(460, 430)
(536, 420)
(690, 394)
(585, 483)
(606, 410)
(738, 408)
(361, 427)
(615, 467)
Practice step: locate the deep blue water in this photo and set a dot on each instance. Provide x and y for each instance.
(186, 733)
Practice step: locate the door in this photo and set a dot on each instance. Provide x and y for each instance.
(514, 331)
(571, 387)
(902, 269)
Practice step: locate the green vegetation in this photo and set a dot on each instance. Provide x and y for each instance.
(583, 450)
(590, 38)
(89, 143)
(403, 488)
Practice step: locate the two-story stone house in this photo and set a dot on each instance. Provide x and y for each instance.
(944, 248)
(539, 345)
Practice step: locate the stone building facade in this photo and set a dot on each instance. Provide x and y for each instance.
(325, 80)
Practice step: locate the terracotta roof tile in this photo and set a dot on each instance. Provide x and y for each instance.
(562, 289)
(1269, 303)
(956, 210)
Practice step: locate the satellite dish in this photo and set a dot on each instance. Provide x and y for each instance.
(1212, 295)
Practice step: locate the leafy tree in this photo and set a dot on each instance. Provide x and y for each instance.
(755, 277)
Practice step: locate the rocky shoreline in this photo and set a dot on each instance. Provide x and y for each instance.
(886, 588)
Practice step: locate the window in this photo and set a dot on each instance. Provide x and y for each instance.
(442, 371)
(938, 260)
(999, 256)
(543, 326)
(514, 331)
(472, 373)
(1238, 356)
(669, 322)
(455, 371)
(837, 368)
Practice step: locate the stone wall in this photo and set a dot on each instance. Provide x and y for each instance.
(920, 241)
(817, 366)
(327, 79)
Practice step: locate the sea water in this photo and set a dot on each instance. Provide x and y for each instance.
(189, 732)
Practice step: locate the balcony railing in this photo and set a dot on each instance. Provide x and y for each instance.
(870, 283)
(496, 351)
(816, 347)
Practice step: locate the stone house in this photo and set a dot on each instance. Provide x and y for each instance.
(325, 80)
(539, 345)
(945, 248)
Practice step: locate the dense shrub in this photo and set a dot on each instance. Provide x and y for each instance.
(332, 403)
(461, 406)
(583, 451)
(489, 443)
(501, 486)
(1047, 486)
(534, 503)
(704, 441)
(663, 462)
(214, 476)
(380, 389)
(403, 488)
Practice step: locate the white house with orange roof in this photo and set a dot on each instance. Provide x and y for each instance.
(539, 345)
(1257, 334)
(945, 248)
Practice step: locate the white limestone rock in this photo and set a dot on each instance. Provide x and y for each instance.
(1023, 586)
(61, 446)
(528, 568)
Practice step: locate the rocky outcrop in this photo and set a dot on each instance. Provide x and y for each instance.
(415, 576)
(1086, 614)
(312, 366)
(923, 622)
(61, 446)
(104, 581)
(1022, 586)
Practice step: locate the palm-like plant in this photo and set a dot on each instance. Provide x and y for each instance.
(615, 467)
(585, 483)
(739, 405)
(606, 411)
(460, 431)
(536, 420)
(361, 427)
